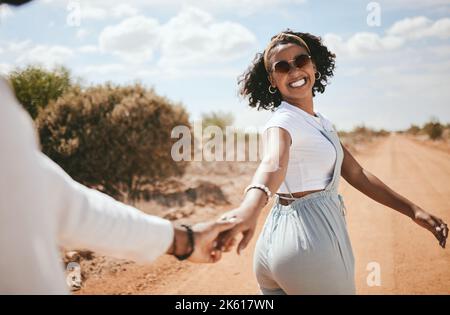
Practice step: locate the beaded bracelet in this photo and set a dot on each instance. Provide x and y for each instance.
(190, 234)
(262, 187)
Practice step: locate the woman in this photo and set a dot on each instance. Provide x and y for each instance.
(304, 247)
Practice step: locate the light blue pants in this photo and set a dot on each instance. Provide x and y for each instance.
(304, 247)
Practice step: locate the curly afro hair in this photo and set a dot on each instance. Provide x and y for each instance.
(254, 83)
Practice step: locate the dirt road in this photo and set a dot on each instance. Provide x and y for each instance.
(409, 258)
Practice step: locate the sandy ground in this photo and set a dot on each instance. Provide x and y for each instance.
(409, 258)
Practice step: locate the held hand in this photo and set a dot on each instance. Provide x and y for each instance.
(246, 224)
(433, 224)
(205, 236)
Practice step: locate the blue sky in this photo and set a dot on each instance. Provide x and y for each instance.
(388, 75)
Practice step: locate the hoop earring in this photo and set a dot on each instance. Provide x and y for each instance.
(320, 75)
(274, 91)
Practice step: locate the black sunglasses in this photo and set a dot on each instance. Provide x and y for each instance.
(284, 66)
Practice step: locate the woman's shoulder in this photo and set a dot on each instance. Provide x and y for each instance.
(285, 114)
(280, 116)
(287, 120)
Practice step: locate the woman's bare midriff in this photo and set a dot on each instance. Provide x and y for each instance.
(298, 194)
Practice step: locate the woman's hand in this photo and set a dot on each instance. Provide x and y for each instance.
(433, 224)
(246, 224)
(206, 240)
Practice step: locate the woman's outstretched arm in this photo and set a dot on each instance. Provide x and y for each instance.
(271, 173)
(374, 188)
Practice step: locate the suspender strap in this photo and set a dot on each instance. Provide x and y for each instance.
(287, 198)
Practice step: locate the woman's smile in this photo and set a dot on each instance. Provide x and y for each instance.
(298, 83)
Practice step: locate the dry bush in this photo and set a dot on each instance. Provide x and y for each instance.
(433, 129)
(413, 130)
(360, 136)
(116, 139)
(219, 119)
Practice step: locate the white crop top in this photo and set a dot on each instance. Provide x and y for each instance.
(312, 156)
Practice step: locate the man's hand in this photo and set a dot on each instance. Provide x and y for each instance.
(433, 224)
(205, 238)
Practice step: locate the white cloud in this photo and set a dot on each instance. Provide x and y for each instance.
(409, 26)
(131, 72)
(194, 36)
(361, 44)
(124, 10)
(101, 9)
(238, 7)
(412, 4)
(105, 69)
(134, 39)
(18, 47)
(26, 52)
(189, 39)
(420, 27)
(408, 29)
(88, 49)
(81, 33)
(47, 56)
(92, 12)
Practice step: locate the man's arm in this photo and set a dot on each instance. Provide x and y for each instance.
(77, 216)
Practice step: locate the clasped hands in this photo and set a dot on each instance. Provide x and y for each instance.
(214, 237)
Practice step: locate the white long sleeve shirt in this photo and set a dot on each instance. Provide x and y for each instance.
(42, 207)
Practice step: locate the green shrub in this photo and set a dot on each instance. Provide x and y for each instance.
(116, 139)
(433, 129)
(35, 87)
